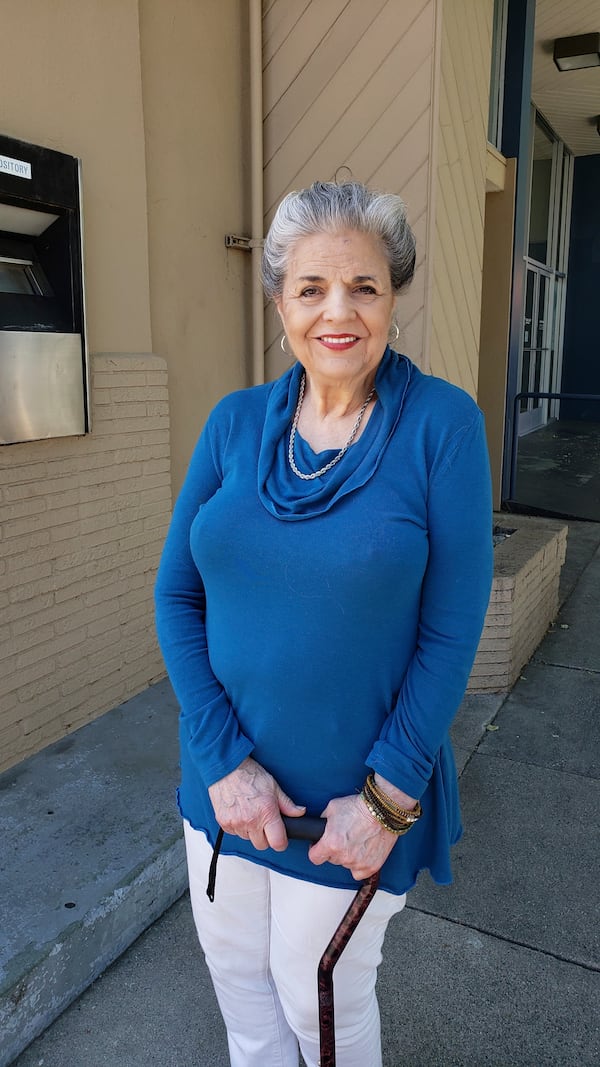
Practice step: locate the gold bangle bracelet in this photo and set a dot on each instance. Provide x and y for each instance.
(387, 817)
(388, 802)
(386, 821)
(382, 798)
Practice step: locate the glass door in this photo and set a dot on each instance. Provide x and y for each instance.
(546, 262)
(536, 360)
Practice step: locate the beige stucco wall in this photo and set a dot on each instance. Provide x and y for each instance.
(466, 34)
(82, 518)
(152, 97)
(70, 80)
(195, 84)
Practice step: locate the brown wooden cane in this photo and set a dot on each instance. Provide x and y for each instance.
(308, 828)
(328, 961)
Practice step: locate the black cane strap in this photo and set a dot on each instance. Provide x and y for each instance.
(212, 870)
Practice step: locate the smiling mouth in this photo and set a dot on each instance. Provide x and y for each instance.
(343, 340)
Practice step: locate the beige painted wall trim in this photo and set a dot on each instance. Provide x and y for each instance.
(495, 170)
(195, 84)
(495, 319)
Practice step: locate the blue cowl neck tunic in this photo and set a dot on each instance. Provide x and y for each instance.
(329, 626)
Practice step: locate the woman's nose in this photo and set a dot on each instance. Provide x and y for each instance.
(339, 306)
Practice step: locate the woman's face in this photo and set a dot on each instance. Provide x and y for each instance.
(337, 305)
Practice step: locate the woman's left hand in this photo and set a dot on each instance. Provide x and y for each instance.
(353, 838)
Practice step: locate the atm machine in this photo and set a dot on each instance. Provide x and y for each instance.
(43, 358)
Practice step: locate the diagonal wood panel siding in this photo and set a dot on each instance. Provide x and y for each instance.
(460, 192)
(350, 84)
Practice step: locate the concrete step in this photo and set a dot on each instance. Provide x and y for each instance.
(92, 853)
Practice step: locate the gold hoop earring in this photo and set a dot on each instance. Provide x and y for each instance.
(282, 341)
(392, 340)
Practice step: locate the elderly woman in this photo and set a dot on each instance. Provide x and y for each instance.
(319, 603)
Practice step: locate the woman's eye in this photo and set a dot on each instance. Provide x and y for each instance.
(366, 290)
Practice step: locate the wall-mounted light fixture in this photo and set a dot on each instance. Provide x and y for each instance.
(575, 53)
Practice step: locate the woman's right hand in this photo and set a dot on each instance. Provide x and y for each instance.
(249, 803)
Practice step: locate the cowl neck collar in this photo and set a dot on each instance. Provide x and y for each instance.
(288, 497)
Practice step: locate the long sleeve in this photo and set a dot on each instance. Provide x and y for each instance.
(208, 723)
(454, 599)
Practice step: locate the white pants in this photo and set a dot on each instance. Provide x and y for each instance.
(263, 937)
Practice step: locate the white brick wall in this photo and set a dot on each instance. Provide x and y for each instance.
(82, 521)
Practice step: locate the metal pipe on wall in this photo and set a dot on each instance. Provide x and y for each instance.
(256, 181)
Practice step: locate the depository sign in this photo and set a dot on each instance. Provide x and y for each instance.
(17, 167)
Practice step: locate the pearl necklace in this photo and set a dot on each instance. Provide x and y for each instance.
(342, 452)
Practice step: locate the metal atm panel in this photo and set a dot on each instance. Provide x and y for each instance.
(43, 368)
(41, 386)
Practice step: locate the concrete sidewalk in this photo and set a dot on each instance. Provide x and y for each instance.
(500, 969)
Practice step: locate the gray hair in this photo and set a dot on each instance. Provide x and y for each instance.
(326, 207)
